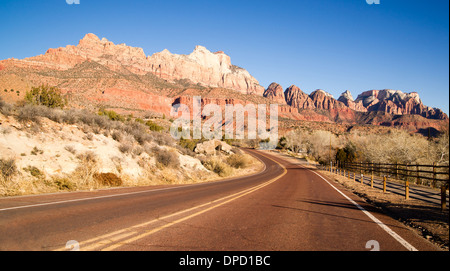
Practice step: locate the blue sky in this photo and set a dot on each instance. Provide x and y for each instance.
(334, 45)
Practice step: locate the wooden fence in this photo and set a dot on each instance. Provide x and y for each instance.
(430, 175)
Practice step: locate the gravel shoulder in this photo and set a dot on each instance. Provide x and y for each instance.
(426, 218)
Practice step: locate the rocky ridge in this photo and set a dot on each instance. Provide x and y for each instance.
(98, 72)
(200, 67)
(393, 102)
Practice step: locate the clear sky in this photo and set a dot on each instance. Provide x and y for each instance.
(333, 45)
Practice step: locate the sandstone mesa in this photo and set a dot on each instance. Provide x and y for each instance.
(99, 72)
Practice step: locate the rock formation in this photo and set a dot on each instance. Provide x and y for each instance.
(396, 102)
(347, 98)
(324, 100)
(200, 67)
(295, 97)
(97, 72)
(204, 67)
(275, 93)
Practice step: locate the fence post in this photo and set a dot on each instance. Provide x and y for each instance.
(417, 174)
(362, 178)
(384, 184)
(434, 174)
(396, 170)
(406, 189)
(371, 180)
(444, 197)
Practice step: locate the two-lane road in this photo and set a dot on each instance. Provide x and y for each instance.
(284, 207)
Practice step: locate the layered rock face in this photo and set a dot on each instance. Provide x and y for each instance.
(345, 109)
(206, 68)
(347, 99)
(398, 103)
(99, 72)
(275, 93)
(295, 97)
(324, 100)
(200, 67)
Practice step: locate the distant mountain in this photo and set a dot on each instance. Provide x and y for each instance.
(200, 67)
(98, 73)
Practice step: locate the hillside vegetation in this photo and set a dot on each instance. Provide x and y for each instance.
(390, 146)
(48, 149)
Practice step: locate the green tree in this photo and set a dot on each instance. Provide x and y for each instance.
(282, 143)
(112, 115)
(47, 96)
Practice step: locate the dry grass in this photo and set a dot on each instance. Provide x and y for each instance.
(130, 154)
(218, 166)
(108, 179)
(166, 158)
(239, 160)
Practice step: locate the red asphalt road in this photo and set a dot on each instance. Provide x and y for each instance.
(285, 207)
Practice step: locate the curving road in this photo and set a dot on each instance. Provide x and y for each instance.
(285, 207)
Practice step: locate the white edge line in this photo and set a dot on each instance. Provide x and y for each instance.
(376, 220)
(133, 193)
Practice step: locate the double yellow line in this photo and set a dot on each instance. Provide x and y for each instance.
(114, 240)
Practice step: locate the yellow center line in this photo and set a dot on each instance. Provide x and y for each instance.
(113, 237)
(128, 241)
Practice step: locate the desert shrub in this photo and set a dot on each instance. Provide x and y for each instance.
(87, 167)
(163, 139)
(55, 114)
(5, 108)
(63, 183)
(141, 136)
(29, 113)
(70, 116)
(125, 147)
(238, 160)
(185, 151)
(393, 147)
(112, 115)
(117, 136)
(8, 168)
(346, 154)
(36, 151)
(166, 158)
(47, 96)
(138, 150)
(153, 126)
(440, 149)
(70, 149)
(108, 179)
(218, 166)
(89, 136)
(189, 144)
(318, 144)
(34, 171)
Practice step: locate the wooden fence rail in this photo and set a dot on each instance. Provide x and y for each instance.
(437, 174)
(432, 175)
